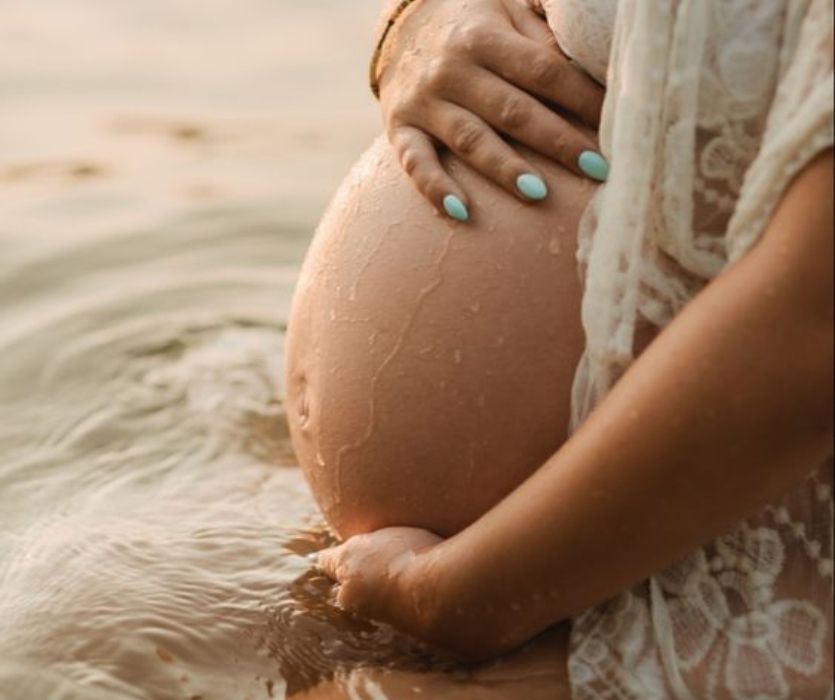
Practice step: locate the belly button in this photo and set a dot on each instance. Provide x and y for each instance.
(303, 406)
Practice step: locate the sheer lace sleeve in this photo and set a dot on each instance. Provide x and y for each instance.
(799, 124)
(712, 107)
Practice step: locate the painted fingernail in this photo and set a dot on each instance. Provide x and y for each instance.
(456, 208)
(594, 165)
(532, 186)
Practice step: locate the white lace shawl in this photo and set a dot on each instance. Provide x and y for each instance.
(712, 107)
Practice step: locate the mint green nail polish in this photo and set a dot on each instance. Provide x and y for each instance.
(594, 165)
(456, 208)
(532, 186)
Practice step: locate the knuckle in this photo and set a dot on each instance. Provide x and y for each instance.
(424, 181)
(466, 137)
(514, 113)
(495, 163)
(469, 38)
(396, 117)
(563, 142)
(410, 161)
(405, 101)
(435, 185)
(404, 109)
(547, 71)
(506, 172)
(437, 74)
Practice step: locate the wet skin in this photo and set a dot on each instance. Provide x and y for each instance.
(430, 363)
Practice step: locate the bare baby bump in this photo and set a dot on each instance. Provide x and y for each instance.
(430, 363)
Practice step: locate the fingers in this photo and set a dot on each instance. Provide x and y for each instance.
(335, 564)
(547, 73)
(476, 143)
(525, 119)
(419, 158)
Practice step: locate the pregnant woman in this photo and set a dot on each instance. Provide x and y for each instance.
(431, 358)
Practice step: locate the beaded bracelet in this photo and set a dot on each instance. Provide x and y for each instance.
(374, 79)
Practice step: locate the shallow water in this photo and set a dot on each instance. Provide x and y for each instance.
(162, 166)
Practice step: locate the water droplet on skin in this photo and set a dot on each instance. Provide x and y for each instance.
(554, 246)
(475, 307)
(457, 355)
(320, 460)
(333, 314)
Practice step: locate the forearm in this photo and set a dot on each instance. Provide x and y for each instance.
(726, 410)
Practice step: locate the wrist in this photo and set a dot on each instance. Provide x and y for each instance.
(448, 610)
(419, 594)
(391, 21)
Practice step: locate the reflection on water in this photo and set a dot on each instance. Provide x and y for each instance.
(162, 165)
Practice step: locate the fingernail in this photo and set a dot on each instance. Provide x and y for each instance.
(456, 208)
(594, 165)
(532, 186)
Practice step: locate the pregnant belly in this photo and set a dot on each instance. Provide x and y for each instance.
(429, 363)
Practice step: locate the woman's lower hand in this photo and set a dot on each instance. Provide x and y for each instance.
(374, 573)
(464, 79)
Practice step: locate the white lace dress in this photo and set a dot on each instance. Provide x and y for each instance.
(712, 107)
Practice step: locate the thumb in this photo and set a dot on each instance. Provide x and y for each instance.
(328, 561)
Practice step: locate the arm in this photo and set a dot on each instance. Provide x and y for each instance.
(728, 408)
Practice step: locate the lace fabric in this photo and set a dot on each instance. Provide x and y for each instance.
(713, 106)
(583, 31)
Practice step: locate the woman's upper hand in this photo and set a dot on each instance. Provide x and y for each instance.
(466, 78)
